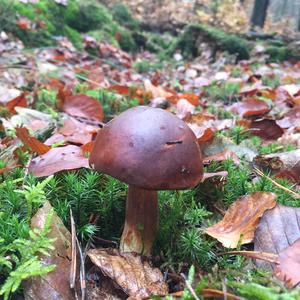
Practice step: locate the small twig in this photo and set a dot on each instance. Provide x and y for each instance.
(26, 169)
(82, 271)
(260, 173)
(189, 287)
(74, 254)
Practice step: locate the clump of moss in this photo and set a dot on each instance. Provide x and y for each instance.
(123, 16)
(219, 39)
(88, 15)
(48, 19)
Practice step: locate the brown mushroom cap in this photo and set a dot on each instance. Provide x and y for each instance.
(149, 148)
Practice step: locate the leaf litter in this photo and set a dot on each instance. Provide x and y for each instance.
(269, 113)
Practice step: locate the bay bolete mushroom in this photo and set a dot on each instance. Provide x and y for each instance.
(150, 149)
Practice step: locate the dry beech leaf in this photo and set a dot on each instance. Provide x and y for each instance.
(288, 267)
(266, 129)
(291, 118)
(184, 108)
(156, 91)
(216, 174)
(34, 144)
(136, 278)
(241, 219)
(202, 133)
(221, 156)
(251, 107)
(58, 159)
(84, 106)
(77, 132)
(278, 229)
(192, 98)
(54, 285)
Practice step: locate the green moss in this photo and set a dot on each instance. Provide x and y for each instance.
(278, 53)
(123, 16)
(88, 15)
(222, 90)
(69, 21)
(219, 39)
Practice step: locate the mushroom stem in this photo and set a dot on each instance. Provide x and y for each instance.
(141, 221)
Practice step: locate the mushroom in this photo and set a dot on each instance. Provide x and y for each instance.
(150, 149)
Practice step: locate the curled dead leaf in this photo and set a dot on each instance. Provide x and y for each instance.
(241, 219)
(34, 144)
(288, 267)
(135, 277)
(54, 285)
(251, 107)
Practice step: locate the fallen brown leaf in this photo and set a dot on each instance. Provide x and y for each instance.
(277, 230)
(58, 159)
(54, 285)
(251, 107)
(156, 91)
(84, 106)
(226, 154)
(135, 277)
(266, 129)
(241, 219)
(288, 267)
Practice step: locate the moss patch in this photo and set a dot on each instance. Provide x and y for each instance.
(219, 40)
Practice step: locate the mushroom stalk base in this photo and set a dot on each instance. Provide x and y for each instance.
(141, 221)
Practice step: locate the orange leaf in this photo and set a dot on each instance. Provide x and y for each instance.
(34, 144)
(192, 98)
(241, 219)
(88, 147)
(18, 101)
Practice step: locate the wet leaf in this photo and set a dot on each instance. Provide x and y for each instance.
(135, 277)
(54, 285)
(84, 106)
(288, 267)
(58, 159)
(251, 107)
(278, 229)
(241, 219)
(77, 132)
(266, 129)
(34, 144)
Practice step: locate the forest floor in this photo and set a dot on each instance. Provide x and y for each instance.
(233, 236)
